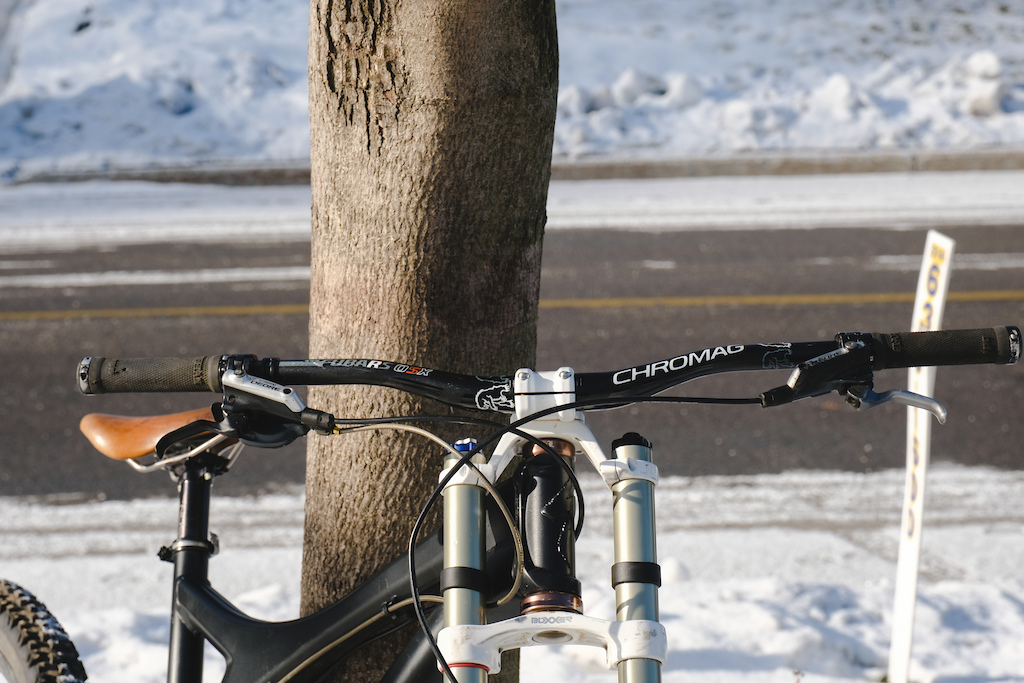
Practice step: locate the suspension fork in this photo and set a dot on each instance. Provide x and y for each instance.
(631, 475)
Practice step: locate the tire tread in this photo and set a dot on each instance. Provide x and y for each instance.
(46, 648)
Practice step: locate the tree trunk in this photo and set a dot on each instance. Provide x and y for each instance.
(431, 132)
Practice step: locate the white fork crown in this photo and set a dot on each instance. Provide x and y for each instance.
(482, 646)
(537, 391)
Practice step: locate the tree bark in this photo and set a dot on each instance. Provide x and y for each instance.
(431, 131)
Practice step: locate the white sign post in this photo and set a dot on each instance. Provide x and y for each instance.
(932, 287)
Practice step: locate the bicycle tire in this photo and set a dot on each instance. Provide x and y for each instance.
(34, 648)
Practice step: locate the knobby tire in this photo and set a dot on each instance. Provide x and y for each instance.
(34, 648)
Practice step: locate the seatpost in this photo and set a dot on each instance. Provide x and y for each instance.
(190, 554)
(463, 581)
(636, 575)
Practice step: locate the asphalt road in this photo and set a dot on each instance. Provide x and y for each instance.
(55, 307)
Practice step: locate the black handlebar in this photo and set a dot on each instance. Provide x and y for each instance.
(998, 345)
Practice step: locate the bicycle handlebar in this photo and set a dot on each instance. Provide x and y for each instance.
(998, 345)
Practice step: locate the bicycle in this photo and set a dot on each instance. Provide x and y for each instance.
(463, 593)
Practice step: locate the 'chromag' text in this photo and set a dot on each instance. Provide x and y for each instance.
(687, 360)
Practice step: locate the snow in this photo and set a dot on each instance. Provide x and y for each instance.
(764, 576)
(136, 82)
(100, 84)
(687, 78)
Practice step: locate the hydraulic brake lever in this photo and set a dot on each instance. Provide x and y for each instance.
(277, 396)
(863, 397)
(847, 370)
(246, 392)
(265, 414)
(848, 365)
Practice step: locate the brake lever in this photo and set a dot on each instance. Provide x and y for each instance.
(848, 365)
(863, 397)
(243, 391)
(846, 370)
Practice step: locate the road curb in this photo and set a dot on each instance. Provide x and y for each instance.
(292, 172)
(808, 163)
(212, 173)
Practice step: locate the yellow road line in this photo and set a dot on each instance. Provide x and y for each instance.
(735, 300)
(774, 300)
(1003, 295)
(622, 302)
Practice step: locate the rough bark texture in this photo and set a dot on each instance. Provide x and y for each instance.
(431, 131)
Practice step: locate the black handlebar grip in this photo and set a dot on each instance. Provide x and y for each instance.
(998, 345)
(142, 375)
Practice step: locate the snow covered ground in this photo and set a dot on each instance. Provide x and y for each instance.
(94, 84)
(764, 576)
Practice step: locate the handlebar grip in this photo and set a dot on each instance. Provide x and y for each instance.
(998, 345)
(139, 375)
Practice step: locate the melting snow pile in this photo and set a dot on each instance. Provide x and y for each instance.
(687, 78)
(90, 84)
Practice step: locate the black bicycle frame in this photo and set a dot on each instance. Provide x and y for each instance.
(304, 649)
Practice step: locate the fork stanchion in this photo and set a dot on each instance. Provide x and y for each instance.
(636, 575)
(463, 581)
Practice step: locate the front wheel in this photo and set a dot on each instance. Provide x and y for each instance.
(33, 646)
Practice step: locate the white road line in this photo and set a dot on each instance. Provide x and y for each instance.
(960, 262)
(301, 273)
(159, 277)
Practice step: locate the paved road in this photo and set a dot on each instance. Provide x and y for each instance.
(57, 305)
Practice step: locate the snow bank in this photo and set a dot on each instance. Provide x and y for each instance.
(122, 83)
(687, 78)
(95, 84)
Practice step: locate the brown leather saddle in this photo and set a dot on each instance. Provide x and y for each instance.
(126, 438)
